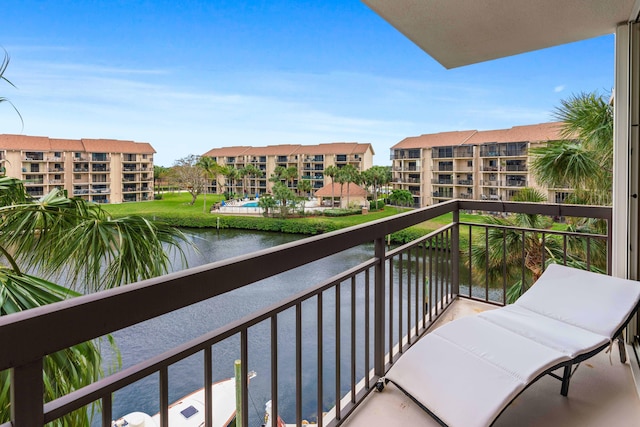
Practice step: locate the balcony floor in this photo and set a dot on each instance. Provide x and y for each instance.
(602, 392)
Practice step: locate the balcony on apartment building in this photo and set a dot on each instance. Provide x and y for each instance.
(512, 150)
(441, 194)
(463, 151)
(442, 180)
(34, 156)
(441, 152)
(386, 304)
(344, 158)
(464, 181)
(100, 157)
(405, 154)
(33, 180)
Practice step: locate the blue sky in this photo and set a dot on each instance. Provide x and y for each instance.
(188, 76)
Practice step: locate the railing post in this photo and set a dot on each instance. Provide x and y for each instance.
(27, 389)
(378, 307)
(455, 252)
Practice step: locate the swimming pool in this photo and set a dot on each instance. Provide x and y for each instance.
(250, 205)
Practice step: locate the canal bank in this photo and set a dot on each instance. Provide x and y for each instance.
(175, 210)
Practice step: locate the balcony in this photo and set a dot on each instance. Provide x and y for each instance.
(386, 303)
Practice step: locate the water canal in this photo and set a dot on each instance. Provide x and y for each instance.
(153, 337)
(147, 339)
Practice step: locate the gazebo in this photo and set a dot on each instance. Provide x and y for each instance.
(351, 194)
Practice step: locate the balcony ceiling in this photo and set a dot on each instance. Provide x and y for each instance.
(463, 32)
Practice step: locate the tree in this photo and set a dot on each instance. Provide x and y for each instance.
(188, 175)
(304, 187)
(61, 237)
(210, 168)
(502, 257)
(291, 174)
(349, 174)
(331, 172)
(341, 177)
(284, 195)
(584, 159)
(231, 175)
(160, 174)
(254, 172)
(267, 202)
(401, 197)
(376, 177)
(3, 67)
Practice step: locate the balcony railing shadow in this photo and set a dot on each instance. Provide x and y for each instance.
(345, 331)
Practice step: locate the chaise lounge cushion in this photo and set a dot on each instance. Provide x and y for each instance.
(595, 302)
(467, 371)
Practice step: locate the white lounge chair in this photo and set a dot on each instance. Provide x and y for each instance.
(465, 373)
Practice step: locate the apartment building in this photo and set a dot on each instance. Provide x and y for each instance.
(97, 170)
(482, 165)
(310, 161)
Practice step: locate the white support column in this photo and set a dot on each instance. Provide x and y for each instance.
(620, 244)
(622, 223)
(626, 162)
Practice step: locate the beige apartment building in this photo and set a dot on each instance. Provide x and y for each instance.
(310, 160)
(97, 170)
(489, 165)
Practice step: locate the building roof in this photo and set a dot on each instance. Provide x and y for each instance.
(292, 149)
(116, 146)
(435, 139)
(354, 190)
(43, 143)
(233, 151)
(539, 132)
(273, 150)
(528, 133)
(462, 32)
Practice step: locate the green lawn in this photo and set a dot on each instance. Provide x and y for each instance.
(176, 206)
(175, 209)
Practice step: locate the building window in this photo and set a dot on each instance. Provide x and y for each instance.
(469, 163)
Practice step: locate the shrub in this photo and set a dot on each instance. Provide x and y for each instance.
(341, 212)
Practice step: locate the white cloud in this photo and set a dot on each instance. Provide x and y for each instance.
(559, 88)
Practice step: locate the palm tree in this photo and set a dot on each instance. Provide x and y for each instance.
(502, 257)
(304, 187)
(331, 171)
(340, 177)
(57, 236)
(291, 174)
(231, 175)
(584, 160)
(3, 67)
(376, 177)
(351, 175)
(255, 172)
(210, 168)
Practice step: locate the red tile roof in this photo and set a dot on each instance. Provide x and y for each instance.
(43, 143)
(353, 189)
(435, 139)
(539, 132)
(292, 149)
